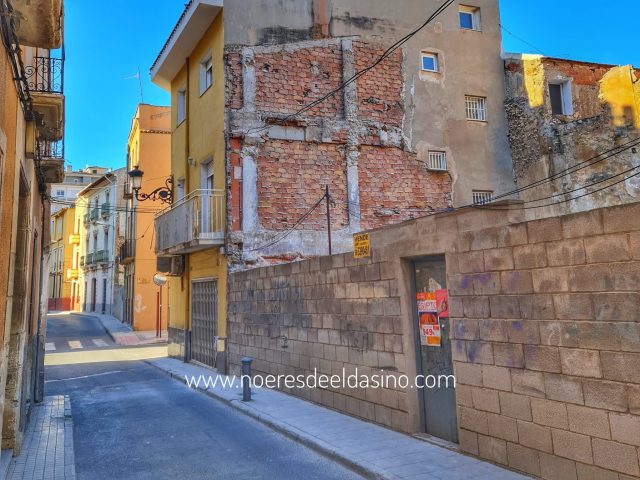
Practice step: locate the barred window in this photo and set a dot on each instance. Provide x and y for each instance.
(476, 108)
(437, 161)
(480, 197)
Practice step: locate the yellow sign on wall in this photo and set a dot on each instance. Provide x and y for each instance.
(361, 246)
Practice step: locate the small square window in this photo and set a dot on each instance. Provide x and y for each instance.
(476, 108)
(469, 18)
(182, 106)
(430, 62)
(480, 197)
(437, 161)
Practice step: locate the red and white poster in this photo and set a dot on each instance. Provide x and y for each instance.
(428, 319)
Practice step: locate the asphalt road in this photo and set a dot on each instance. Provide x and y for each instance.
(131, 421)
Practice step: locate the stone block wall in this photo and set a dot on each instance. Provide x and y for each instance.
(545, 333)
(329, 314)
(547, 344)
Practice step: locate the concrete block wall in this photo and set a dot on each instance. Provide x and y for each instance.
(332, 313)
(547, 344)
(545, 333)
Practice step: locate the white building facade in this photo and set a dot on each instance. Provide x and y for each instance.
(101, 234)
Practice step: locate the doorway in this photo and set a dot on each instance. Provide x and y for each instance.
(94, 294)
(204, 321)
(434, 348)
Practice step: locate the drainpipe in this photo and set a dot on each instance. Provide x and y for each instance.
(186, 276)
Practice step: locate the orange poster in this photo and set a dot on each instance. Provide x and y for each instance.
(429, 325)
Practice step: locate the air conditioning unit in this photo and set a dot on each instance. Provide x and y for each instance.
(172, 266)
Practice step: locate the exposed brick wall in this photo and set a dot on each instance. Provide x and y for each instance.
(335, 313)
(379, 90)
(289, 80)
(547, 344)
(233, 80)
(395, 187)
(292, 178)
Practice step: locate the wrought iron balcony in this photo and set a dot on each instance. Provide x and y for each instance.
(46, 75)
(194, 223)
(82, 261)
(101, 256)
(95, 213)
(90, 260)
(105, 210)
(50, 149)
(86, 220)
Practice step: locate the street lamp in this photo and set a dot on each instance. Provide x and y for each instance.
(163, 194)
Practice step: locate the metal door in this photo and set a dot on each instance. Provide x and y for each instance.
(204, 321)
(435, 348)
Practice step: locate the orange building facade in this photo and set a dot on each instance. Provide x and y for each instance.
(148, 148)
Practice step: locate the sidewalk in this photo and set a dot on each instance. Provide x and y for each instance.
(122, 334)
(47, 451)
(371, 450)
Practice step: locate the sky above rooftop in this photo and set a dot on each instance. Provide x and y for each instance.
(106, 43)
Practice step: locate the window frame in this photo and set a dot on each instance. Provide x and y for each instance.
(181, 105)
(474, 13)
(206, 79)
(436, 62)
(566, 96)
(485, 109)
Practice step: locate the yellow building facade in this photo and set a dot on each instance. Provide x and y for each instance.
(197, 298)
(63, 268)
(149, 149)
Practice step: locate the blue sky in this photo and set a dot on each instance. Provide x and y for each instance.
(107, 42)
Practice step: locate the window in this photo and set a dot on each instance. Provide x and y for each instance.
(182, 106)
(481, 197)
(437, 161)
(206, 74)
(59, 193)
(561, 101)
(430, 62)
(469, 18)
(476, 108)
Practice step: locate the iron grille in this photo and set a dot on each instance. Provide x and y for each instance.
(481, 197)
(476, 108)
(45, 75)
(204, 321)
(437, 161)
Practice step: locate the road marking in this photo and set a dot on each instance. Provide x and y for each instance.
(49, 347)
(84, 376)
(74, 344)
(99, 343)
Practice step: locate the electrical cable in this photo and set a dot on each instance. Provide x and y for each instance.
(360, 73)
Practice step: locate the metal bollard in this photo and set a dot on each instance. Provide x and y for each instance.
(246, 375)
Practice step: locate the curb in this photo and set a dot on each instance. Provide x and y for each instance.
(107, 331)
(314, 443)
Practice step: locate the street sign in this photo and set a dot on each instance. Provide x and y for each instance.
(361, 246)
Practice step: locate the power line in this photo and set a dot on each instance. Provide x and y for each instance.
(290, 231)
(521, 40)
(360, 73)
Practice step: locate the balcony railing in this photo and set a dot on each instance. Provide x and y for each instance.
(82, 261)
(90, 259)
(101, 256)
(194, 223)
(45, 75)
(95, 213)
(50, 149)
